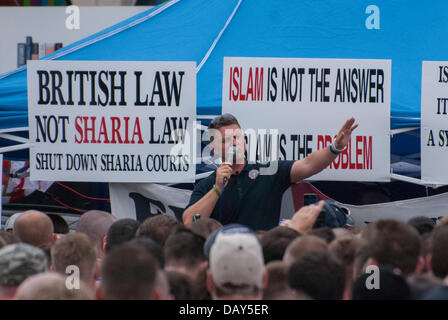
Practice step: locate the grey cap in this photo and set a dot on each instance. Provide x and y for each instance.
(9, 225)
(18, 261)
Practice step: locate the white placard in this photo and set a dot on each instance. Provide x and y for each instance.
(307, 101)
(112, 121)
(1, 197)
(434, 122)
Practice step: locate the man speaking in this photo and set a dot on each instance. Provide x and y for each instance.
(237, 193)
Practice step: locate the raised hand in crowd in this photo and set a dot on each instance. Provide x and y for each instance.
(304, 219)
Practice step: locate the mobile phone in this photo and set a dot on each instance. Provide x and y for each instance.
(309, 198)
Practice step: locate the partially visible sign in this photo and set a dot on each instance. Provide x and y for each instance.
(116, 121)
(434, 123)
(293, 107)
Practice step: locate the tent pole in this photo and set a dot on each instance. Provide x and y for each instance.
(414, 180)
(14, 148)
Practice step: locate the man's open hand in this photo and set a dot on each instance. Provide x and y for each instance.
(343, 136)
(304, 219)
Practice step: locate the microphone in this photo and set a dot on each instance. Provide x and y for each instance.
(231, 155)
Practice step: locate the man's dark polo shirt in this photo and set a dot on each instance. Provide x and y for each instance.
(249, 198)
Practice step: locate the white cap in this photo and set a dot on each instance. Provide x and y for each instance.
(9, 224)
(237, 259)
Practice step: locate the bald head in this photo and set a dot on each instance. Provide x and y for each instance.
(35, 228)
(50, 286)
(95, 224)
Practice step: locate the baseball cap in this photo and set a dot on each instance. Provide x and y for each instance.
(334, 216)
(18, 261)
(235, 257)
(9, 224)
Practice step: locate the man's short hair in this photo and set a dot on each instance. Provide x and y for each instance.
(345, 249)
(277, 280)
(205, 226)
(302, 245)
(128, 273)
(95, 224)
(152, 247)
(226, 119)
(181, 286)
(159, 227)
(318, 274)
(50, 286)
(325, 233)
(74, 249)
(275, 242)
(120, 232)
(395, 243)
(8, 237)
(439, 261)
(184, 248)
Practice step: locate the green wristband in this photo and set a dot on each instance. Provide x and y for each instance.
(216, 190)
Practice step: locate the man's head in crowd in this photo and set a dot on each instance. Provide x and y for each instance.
(152, 247)
(236, 264)
(318, 274)
(8, 237)
(345, 249)
(75, 249)
(205, 226)
(159, 227)
(439, 253)
(18, 262)
(184, 252)
(129, 273)
(324, 233)
(35, 228)
(302, 245)
(120, 232)
(390, 285)
(181, 286)
(397, 244)
(421, 284)
(341, 232)
(95, 224)
(277, 283)
(275, 242)
(50, 286)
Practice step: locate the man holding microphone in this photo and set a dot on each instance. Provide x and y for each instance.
(237, 193)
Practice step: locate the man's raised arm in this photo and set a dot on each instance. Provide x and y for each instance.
(319, 160)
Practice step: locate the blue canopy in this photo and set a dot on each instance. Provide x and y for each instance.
(205, 31)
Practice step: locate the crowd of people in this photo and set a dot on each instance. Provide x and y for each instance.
(162, 259)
